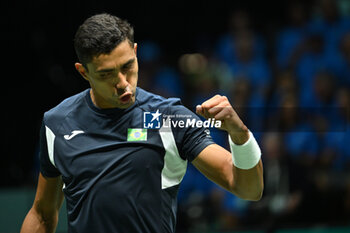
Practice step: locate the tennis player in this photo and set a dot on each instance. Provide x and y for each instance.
(108, 153)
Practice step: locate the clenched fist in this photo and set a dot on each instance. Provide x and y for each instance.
(219, 107)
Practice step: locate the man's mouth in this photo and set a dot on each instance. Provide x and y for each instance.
(125, 98)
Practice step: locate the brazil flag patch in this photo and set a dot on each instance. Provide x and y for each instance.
(137, 135)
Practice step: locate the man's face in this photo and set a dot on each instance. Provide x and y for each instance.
(113, 77)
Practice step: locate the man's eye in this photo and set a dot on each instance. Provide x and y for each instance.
(105, 75)
(127, 67)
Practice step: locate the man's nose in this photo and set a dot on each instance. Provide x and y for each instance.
(122, 83)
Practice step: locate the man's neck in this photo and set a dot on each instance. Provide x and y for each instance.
(98, 101)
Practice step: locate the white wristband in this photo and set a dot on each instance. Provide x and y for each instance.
(247, 155)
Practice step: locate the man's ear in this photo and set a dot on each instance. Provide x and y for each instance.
(81, 69)
(135, 48)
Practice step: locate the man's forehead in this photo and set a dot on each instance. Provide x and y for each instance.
(116, 58)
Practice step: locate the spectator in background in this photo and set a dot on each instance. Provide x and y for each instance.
(328, 121)
(299, 137)
(168, 82)
(239, 22)
(241, 95)
(249, 66)
(324, 88)
(158, 75)
(283, 187)
(149, 59)
(198, 77)
(310, 61)
(244, 53)
(344, 77)
(330, 24)
(291, 37)
(339, 137)
(285, 84)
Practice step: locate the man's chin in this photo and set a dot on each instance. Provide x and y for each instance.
(125, 104)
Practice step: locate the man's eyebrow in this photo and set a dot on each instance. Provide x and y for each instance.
(129, 62)
(105, 70)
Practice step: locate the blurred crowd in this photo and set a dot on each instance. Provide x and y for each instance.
(292, 89)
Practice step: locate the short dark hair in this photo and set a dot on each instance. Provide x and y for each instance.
(100, 34)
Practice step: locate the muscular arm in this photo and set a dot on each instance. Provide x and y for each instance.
(216, 163)
(43, 216)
